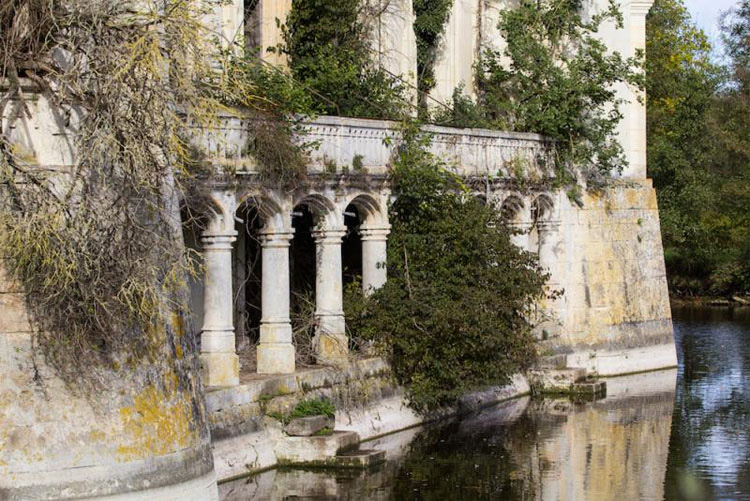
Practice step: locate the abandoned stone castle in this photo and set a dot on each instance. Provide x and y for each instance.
(146, 442)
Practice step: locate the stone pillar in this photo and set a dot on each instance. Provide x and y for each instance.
(635, 110)
(219, 359)
(275, 351)
(374, 257)
(332, 345)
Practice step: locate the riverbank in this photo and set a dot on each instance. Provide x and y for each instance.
(247, 436)
(736, 300)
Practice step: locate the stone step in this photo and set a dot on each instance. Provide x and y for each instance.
(308, 426)
(361, 458)
(592, 387)
(555, 380)
(315, 450)
(553, 362)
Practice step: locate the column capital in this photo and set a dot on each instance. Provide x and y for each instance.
(275, 238)
(329, 237)
(640, 7)
(377, 234)
(218, 241)
(524, 226)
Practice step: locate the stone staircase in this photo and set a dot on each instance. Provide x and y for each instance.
(311, 441)
(553, 376)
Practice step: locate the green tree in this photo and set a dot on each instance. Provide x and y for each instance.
(681, 82)
(560, 81)
(453, 315)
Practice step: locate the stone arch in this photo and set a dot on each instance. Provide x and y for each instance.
(325, 213)
(542, 208)
(512, 208)
(370, 209)
(274, 213)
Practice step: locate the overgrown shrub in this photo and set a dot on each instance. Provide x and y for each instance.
(431, 16)
(554, 78)
(453, 315)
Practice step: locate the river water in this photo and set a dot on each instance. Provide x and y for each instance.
(677, 434)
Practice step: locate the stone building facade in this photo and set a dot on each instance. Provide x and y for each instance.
(603, 251)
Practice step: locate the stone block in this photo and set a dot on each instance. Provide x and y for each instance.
(308, 426)
(220, 369)
(362, 458)
(275, 358)
(314, 450)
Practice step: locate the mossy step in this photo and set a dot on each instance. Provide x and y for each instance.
(361, 458)
(590, 387)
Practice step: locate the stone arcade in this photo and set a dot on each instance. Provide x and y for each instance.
(153, 438)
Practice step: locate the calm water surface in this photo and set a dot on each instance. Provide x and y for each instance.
(680, 434)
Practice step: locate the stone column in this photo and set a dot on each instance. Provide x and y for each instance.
(374, 257)
(636, 107)
(548, 233)
(275, 351)
(219, 360)
(332, 345)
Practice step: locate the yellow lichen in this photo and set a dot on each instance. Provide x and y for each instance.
(158, 422)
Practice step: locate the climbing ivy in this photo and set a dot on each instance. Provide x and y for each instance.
(431, 17)
(557, 78)
(327, 44)
(453, 315)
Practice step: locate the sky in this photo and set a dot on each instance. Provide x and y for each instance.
(706, 15)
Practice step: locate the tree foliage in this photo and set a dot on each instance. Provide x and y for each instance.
(698, 153)
(555, 77)
(431, 16)
(453, 316)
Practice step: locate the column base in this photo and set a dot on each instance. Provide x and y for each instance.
(220, 369)
(332, 349)
(276, 358)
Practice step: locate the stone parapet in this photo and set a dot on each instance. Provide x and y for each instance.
(353, 144)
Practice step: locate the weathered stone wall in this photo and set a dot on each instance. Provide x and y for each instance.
(140, 427)
(607, 257)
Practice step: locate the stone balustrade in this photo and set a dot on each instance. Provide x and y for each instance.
(354, 143)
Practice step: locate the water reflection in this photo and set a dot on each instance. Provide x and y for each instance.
(709, 455)
(646, 440)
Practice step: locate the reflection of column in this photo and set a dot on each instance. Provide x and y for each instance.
(218, 357)
(332, 346)
(374, 255)
(275, 351)
(520, 240)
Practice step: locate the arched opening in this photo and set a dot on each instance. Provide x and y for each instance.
(541, 210)
(351, 248)
(192, 226)
(303, 269)
(246, 282)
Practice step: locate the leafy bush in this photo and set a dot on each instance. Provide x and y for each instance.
(453, 315)
(315, 407)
